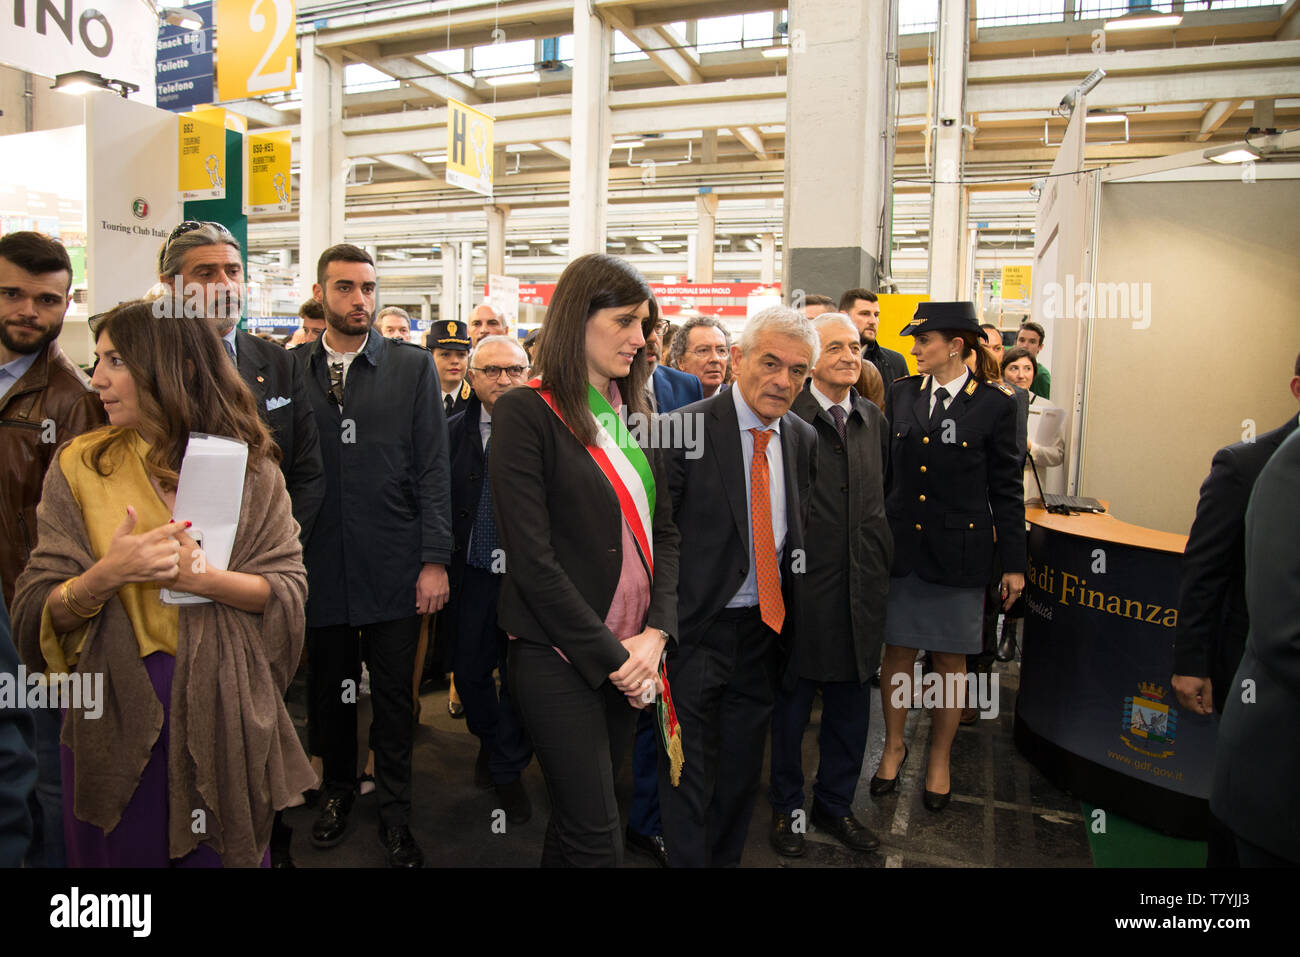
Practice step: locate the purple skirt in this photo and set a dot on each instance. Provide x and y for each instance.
(140, 838)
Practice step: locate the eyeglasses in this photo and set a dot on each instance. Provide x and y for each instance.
(659, 327)
(494, 372)
(189, 226)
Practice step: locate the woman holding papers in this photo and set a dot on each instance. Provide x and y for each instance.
(192, 751)
(1046, 437)
(585, 519)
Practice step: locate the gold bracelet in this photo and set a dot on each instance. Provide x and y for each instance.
(81, 580)
(70, 603)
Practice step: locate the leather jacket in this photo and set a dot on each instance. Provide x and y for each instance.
(49, 405)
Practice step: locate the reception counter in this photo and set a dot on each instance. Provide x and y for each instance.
(1096, 712)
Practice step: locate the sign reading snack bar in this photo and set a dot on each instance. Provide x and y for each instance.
(266, 162)
(256, 48)
(184, 67)
(469, 148)
(201, 174)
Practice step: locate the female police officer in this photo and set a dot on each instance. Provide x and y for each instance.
(955, 478)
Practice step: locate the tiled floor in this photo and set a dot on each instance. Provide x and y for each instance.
(1003, 812)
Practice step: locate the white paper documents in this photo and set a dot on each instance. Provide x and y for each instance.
(209, 494)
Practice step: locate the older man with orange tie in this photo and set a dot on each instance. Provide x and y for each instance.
(740, 504)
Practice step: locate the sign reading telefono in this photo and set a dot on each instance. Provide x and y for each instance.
(50, 37)
(184, 66)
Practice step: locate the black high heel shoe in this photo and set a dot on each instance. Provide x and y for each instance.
(934, 801)
(880, 786)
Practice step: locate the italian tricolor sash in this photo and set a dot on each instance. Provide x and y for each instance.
(623, 464)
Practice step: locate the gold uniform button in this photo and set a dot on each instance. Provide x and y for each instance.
(925, 440)
(963, 445)
(971, 525)
(918, 528)
(922, 468)
(922, 498)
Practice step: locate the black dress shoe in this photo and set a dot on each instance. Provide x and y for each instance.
(652, 845)
(880, 786)
(934, 801)
(514, 801)
(482, 776)
(332, 824)
(400, 847)
(848, 830)
(785, 840)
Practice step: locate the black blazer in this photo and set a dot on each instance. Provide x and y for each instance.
(562, 532)
(949, 489)
(712, 513)
(387, 502)
(461, 400)
(850, 548)
(465, 446)
(1212, 616)
(1257, 761)
(277, 381)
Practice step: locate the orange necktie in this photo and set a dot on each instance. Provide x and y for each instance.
(770, 603)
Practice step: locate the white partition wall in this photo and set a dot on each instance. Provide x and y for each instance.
(1196, 333)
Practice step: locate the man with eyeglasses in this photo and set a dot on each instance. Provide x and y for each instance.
(701, 348)
(497, 365)
(668, 388)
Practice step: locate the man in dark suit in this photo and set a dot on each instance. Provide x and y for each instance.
(1257, 761)
(209, 258)
(377, 557)
(668, 389)
(740, 503)
(863, 307)
(1212, 615)
(497, 365)
(850, 550)
(17, 758)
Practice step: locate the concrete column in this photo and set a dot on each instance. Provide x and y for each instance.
(426, 309)
(590, 138)
(833, 191)
(709, 147)
(692, 251)
(946, 237)
(496, 239)
(447, 302)
(706, 209)
(767, 269)
(466, 280)
(322, 157)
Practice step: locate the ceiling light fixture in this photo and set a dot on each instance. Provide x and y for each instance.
(1144, 21)
(81, 82)
(180, 17)
(1231, 154)
(776, 52)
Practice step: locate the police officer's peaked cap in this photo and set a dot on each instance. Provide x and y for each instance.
(957, 317)
(449, 334)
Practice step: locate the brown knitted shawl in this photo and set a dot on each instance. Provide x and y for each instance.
(234, 754)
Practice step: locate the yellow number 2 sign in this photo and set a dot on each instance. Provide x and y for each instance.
(256, 47)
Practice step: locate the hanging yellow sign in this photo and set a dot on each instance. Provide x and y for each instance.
(469, 148)
(266, 172)
(256, 47)
(1016, 282)
(202, 169)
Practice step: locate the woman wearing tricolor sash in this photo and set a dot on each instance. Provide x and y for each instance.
(590, 550)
